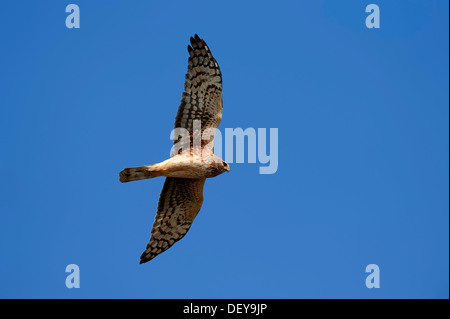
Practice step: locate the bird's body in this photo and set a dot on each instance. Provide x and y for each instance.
(179, 166)
(191, 163)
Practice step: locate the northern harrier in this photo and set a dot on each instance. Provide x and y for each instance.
(199, 115)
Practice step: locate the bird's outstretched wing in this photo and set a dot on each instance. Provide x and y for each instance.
(202, 97)
(179, 203)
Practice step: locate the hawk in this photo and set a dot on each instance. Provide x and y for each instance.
(192, 161)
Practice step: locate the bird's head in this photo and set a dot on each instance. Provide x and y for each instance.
(217, 166)
(225, 166)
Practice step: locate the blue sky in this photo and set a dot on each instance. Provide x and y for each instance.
(363, 157)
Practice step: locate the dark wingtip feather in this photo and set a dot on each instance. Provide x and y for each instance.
(144, 259)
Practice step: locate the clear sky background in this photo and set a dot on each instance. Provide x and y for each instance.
(363, 172)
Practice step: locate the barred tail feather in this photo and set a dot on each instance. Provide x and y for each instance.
(138, 173)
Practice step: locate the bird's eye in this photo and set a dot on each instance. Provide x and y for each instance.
(225, 164)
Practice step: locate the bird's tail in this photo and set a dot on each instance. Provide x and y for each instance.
(138, 173)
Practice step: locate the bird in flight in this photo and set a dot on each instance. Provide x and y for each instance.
(192, 159)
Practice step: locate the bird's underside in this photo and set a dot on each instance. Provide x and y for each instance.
(181, 166)
(182, 194)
